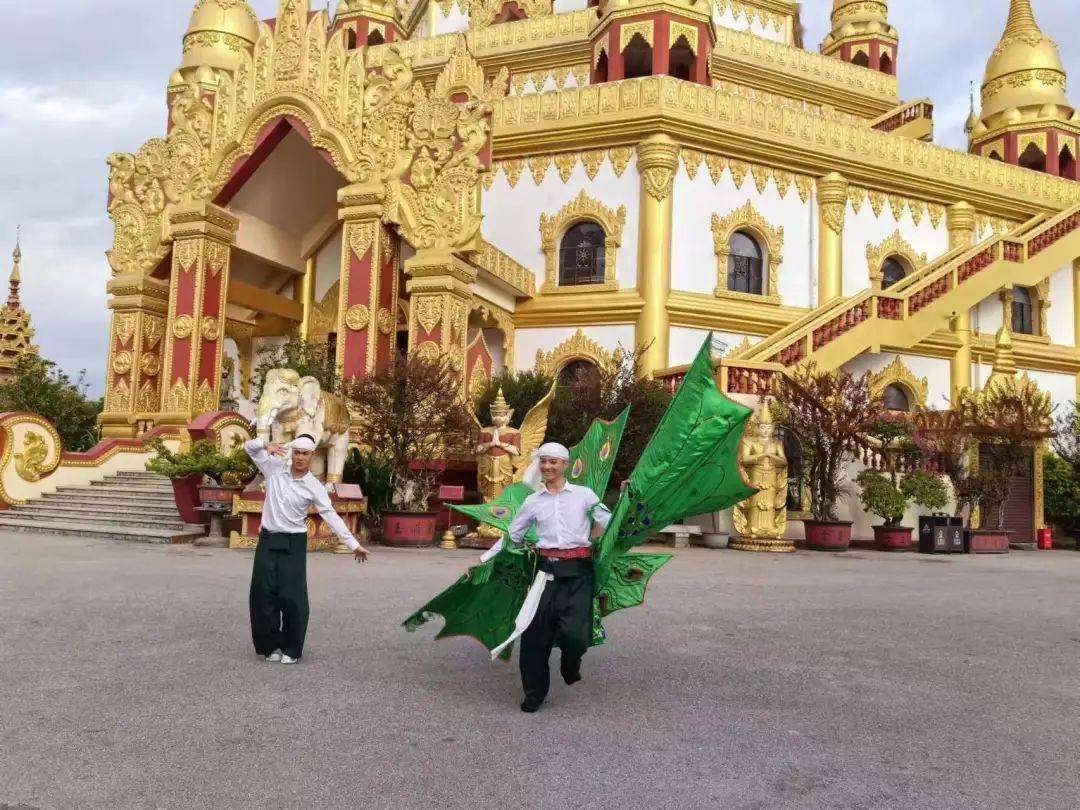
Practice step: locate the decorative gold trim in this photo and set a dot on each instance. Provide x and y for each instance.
(627, 31)
(895, 245)
(896, 373)
(552, 230)
(747, 218)
(357, 317)
(577, 347)
(688, 32)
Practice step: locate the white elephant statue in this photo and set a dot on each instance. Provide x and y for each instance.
(291, 406)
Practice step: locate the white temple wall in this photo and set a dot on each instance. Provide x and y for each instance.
(512, 215)
(725, 15)
(528, 341)
(935, 370)
(456, 20)
(694, 265)
(564, 6)
(1060, 387)
(493, 295)
(864, 227)
(684, 342)
(987, 318)
(495, 343)
(1060, 319)
(328, 265)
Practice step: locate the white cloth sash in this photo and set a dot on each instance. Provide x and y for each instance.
(527, 612)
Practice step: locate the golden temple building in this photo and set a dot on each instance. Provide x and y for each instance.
(16, 333)
(520, 183)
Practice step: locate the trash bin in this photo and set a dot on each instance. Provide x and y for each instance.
(1046, 539)
(941, 534)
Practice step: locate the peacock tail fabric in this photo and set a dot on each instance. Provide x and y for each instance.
(689, 467)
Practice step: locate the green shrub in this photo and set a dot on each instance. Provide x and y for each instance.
(203, 458)
(1062, 491)
(373, 474)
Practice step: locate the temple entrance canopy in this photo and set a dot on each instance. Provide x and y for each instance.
(288, 153)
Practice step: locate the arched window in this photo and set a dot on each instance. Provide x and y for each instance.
(745, 264)
(375, 37)
(510, 12)
(995, 156)
(581, 255)
(895, 398)
(892, 272)
(637, 58)
(581, 376)
(1033, 158)
(350, 39)
(1023, 313)
(886, 64)
(681, 60)
(601, 68)
(861, 59)
(1066, 163)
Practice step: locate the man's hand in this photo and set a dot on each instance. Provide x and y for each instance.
(360, 553)
(277, 449)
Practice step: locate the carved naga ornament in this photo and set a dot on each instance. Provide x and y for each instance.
(379, 126)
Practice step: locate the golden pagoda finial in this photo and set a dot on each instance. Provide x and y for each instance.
(1021, 19)
(16, 277)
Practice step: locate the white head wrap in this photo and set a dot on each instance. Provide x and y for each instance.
(303, 443)
(553, 450)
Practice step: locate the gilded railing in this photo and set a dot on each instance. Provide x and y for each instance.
(912, 111)
(506, 269)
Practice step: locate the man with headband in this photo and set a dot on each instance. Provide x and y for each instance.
(567, 518)
(278, 598)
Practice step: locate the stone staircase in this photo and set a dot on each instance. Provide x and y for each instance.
(133, 506)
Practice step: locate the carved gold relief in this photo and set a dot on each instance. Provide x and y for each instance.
(895, 245)
(629, 30)
(429, 312)
(186, 253)
(581, 208)
(183, 326)
(357, 317)
(211, 328)
(150, 365)
(177, 399)
(122, 362)
(385, 320)
(124, 328)
(657, 161)
(30, 461)
(429, 350)
(577, 347)
(205, 399)
(896, 373)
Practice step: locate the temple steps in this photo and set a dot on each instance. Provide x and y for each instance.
(132, 506)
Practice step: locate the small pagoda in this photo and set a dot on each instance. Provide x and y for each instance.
(16, 333)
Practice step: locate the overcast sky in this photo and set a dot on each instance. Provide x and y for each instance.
(82, 79)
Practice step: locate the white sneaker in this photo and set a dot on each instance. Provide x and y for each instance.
(274, 657)
(288, 659)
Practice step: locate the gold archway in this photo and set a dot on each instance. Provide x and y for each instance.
(577, 347)
(896, 373)
(895, 245)
(749, 219)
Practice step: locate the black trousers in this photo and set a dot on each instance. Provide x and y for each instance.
(564, 618)
(278, 599)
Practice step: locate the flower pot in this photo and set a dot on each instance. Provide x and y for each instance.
(893, 538)
(409, 529)
(186, 495)
(828, 535)
(986, 541)
(715, 539)
(218, 495)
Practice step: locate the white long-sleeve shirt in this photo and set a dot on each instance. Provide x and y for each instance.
(287, 498)
(563, 519)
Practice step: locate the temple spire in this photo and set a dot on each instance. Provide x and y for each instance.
(1021, 19)
(13, 301)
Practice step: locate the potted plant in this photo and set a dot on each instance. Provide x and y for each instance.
(413, 417)
(889, 492)
(189, 471)
(827, 411)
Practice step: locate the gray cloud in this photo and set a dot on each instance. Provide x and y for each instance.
(79, 80)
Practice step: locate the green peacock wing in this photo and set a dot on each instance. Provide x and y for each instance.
(627, 581)
(593, 458)
(501, 511)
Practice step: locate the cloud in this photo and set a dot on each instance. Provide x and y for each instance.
(79, 80)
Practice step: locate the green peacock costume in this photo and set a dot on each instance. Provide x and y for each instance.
(689, 467)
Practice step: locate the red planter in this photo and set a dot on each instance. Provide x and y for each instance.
(892, 539)
(828, 535)
(214, 495)
(986, 541)
(409, 529)
(186, 495)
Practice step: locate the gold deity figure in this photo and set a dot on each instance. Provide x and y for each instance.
(499, 447)
(760, 521)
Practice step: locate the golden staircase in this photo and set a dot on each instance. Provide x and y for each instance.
(912, 309)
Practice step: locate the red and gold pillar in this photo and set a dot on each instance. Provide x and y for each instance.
(203, 234)
(439, 299)
(366, 329)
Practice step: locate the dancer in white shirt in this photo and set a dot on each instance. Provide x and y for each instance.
(567, 519)
(278, 600)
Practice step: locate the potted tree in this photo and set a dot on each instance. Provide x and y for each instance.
(889, 492)
(827, 411)
(189, 470)
(412, 415)
(1061, 473)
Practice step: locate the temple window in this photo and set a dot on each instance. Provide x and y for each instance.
(745, 264)
(886, 64)
(510, 12)
(375, 37)
(895, 398)
(994, 155)
(681, 60)
(1023, 312)
(892, 272)
(1066, 163)
(581, 255)
(637, 58)
(1033, 158)
(862, 59)
(350, 39)
(580, 243)
(582, 375)
(601, 68)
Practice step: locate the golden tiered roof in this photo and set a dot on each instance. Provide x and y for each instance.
(858, 19)
(1025, 78)
(219, 30)
(16, 333)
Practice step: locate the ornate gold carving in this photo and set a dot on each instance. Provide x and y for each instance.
(749, 219)
(628, 30)
(504, 268)
(152, 332)
(687, 32)
(217, 257)
(211, 328)
(361, 237)
(385, 321)
(620, 158)
(658, 158)
(183, 326)
(150, 365)
(896, 373)
(538, 166)
(205, 399)
(148, 400)
(832, 198)
(177, 399)
(691, 159)
(512, 169)
(429, 312)
(483, 13)
(895, 245)
(357, 317)
(122, 362)
(564, 164)
(592, 159)
(186, 253)
(30, 462)
(577, 347)
(581, 208)
(124, 328)
(429, 350)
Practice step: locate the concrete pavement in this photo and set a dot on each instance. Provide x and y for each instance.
(746, 681)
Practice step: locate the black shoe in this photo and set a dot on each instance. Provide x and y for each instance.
(571, 676)
(530, 706)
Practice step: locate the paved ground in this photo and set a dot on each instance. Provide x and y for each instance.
(859, 680)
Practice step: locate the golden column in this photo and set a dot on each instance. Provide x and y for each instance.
(658, 158)
(960, 222)
(832, 195)
(307, 295)
(1076, 314)
(440, 293)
